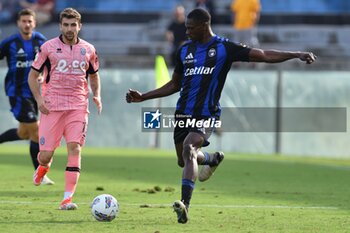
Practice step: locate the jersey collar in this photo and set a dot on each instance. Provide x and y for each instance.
(61, 39)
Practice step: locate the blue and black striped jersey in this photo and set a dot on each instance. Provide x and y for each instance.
(19, 54)
(204, 68)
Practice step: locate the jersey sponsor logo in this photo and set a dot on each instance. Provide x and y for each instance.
(58, 50)
(199, 70)
(23, 64)
(76, 67)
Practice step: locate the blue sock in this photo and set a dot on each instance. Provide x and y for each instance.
(186, 191)
(34, 150)
(9, 136)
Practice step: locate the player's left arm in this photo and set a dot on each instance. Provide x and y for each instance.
(95, 85)
(276, 56)
(94, 77)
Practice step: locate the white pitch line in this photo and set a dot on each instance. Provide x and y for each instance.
(193, 205)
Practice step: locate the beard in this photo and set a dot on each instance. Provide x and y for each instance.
(26, 31)
(69, 36)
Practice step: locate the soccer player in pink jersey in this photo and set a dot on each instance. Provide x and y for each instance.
(63, 101)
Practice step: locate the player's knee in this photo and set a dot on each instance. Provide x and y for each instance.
(26, 131)
(34, 132)
(44, 158)
(187, 148)
(188, 151)
(74, 149)
(23, 134)
(34, 137)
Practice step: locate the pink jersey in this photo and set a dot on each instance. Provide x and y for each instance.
(66, 85)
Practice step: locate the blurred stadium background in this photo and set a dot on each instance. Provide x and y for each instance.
(128, 34)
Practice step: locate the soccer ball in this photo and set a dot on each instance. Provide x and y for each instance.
(104, 208)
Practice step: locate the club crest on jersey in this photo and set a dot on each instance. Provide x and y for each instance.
(211, 52)
(83, 51)
(42, 141)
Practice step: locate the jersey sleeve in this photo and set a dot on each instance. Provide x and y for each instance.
(238, 52)
(93, 63)
(40, 58)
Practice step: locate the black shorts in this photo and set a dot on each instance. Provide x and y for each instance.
(180, 133)
(24, 109)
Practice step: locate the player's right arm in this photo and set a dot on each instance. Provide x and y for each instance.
(34, 85)
(34, 78)
(171, 87)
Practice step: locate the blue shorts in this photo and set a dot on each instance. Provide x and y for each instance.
(24, 109)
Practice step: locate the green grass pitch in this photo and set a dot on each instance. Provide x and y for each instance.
(248, 193)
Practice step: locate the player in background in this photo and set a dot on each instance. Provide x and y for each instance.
(200, 73)
(19, 50)
(176, 31)
(63, 101)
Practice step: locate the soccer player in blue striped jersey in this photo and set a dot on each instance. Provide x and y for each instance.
(20, 50)
(200, 72)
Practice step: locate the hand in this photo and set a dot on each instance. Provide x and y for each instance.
(308, 57)
(134, 96)
(42, 106)
(98, 102)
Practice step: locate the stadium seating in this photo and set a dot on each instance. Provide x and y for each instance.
(128, 33)
(119, 6)
(268, 6)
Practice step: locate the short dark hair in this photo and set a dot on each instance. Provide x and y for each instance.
(26, 12)
(199, 15)
(70, 13)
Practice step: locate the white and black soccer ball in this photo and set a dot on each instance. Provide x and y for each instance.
(104, 208)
